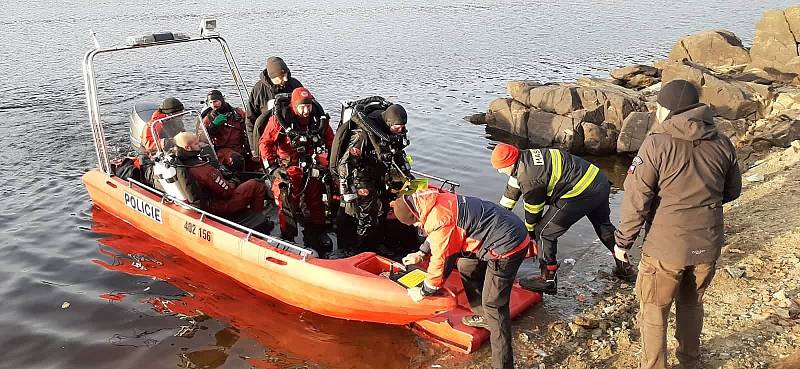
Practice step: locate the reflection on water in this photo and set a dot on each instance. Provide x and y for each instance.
(290, 335)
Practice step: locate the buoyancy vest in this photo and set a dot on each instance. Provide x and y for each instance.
(365, 114)
(308, 140)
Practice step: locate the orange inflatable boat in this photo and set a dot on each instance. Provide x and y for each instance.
(354, 288)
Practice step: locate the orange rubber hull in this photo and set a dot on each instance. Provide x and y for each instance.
(343, 288)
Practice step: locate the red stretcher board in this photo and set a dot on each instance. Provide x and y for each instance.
(447, 328)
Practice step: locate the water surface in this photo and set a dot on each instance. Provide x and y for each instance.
(135, 302)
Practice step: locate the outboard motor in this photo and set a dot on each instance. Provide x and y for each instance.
(141, 113)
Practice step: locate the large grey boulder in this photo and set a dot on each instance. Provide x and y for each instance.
(766, 76)
(777, 131)
(641, 81)
(558, 99)
(734, 129)
(508, 115)
(775, 40)
(599, 140)
(520, 89)
(713, 49)
(617, 101)
(626, 73)
(634, 130)
(731, 99)
(786, 99)
(595, 115)
(546, 129)
(587, 94)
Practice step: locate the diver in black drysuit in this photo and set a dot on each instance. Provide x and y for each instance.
(370, 162)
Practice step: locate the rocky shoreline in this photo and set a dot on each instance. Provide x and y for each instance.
(755, 93)
(753, 305)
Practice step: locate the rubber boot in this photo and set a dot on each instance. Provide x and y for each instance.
(624, 271)
(546, 282)
(289, 234)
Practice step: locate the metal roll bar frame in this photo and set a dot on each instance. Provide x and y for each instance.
(101, 147)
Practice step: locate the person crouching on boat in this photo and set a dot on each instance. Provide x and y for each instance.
(485, 242)
(164, 129)
(294, 149)
(216, 194)
(226, 128)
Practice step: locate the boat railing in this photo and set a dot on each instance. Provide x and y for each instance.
(443, 181)
(146, 41)
(249, 233)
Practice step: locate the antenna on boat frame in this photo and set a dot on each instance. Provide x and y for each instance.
(94, 38)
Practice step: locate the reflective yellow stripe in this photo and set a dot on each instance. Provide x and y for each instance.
(506, 202)
(529, 226)
(584, 183)
(513, 182)
(534, 209)
(555, 171)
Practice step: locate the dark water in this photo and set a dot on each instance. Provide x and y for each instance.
(134, 302)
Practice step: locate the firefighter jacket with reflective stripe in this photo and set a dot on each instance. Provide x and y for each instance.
(459, 225)
(542, 176)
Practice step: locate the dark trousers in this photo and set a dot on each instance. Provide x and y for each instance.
(389, 237)
(487, 285)
(560, 216)
(347, 236)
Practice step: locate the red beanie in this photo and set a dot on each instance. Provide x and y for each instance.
(301, 95)
(504, 155)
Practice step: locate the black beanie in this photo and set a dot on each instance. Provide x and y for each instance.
(215, 95)
(678, 94)
(170, 105)
(395, 114)
(276, 66)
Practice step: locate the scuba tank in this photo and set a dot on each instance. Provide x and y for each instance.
(346, 122)
(166, 173)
